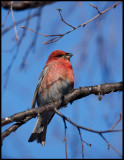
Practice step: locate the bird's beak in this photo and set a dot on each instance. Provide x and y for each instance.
(69, 55)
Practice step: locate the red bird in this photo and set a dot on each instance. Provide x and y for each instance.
(56, 80)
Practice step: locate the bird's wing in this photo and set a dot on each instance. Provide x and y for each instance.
(42, 75)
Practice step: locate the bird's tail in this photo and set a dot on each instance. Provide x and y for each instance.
(40, 129)
(39, 132)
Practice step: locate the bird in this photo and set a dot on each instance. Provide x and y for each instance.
(55, 81)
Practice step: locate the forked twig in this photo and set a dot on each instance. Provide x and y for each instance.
(59, 36)
(95, 8)
(98, 132)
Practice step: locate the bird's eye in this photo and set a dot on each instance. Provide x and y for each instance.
(60, 55)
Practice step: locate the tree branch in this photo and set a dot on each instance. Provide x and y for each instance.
(20, 21)
(65, 139)
(87, 129)
(59, 36)
(116, 122)
(82, 143)
(14, 127)
(84, 128)
(81, 92)
(76, 94)
(22, 5)
(110, 145)
(11, 9)
(5, 19)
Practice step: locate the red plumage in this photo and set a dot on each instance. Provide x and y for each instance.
(56, 80)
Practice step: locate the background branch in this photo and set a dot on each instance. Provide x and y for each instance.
(18, 22)
(11, 9)
(22, 5)
(59, 36)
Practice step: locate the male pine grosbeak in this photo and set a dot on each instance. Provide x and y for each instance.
(56, 80)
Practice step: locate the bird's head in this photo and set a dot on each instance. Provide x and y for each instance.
(58, 54)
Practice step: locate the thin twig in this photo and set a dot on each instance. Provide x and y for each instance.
(60, 10)
(34, 40)
(7, 72)
(57, 36)
(110, 145)
(116, 122)
(95, 8)
(17, 38)
(20, 21)
(5, 18)
(81, 127)
(65, 140)
(81, 143)
(89, 144)
(45, 35)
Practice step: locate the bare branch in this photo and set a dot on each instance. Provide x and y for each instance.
(82, 143)
(11, 9)
(63, 19)
(34, 40)
(59, 36)
(98, 132)
(84, 128)
(95, 8)
(76, 94)
(25, 116)
(5, 18)
(20, 21)
(14, 127)
(116, 122)
(65, 140)
(22, 5)
(110, 145)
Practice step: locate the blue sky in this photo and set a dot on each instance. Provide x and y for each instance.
(97, 50)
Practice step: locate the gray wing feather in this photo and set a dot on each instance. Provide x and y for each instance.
(38, 85)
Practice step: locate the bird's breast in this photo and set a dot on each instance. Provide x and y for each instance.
(57, 82)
